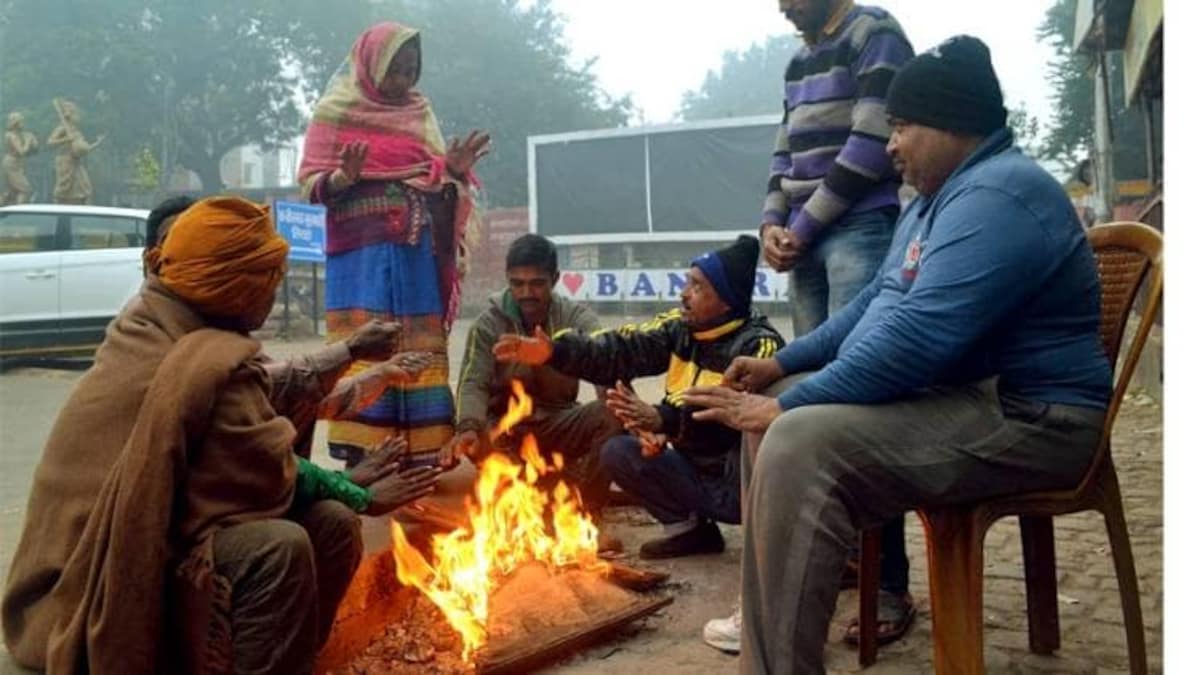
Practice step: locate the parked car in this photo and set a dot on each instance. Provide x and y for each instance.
(65, 272)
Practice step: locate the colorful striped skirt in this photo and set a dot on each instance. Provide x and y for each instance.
(393, 282)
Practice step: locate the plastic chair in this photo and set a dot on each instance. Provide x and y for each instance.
(1128, 255)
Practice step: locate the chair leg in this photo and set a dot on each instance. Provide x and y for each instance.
(954, 541)
(1041, 583)
(869, 549)
(1118, 540)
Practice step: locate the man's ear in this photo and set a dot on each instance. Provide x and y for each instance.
(554, 279)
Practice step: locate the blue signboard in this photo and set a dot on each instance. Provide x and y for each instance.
(303, 225)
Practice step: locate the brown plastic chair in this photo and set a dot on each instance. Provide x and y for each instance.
(1128, 255)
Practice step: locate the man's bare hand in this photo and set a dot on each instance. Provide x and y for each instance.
(747, 373)
(395, 490)
(374, 340)
(530, 351)
(384, 460)
(464, 444)
(735, 409)
(403, 367)
(632, 411)
(781, 249)
(652, 444)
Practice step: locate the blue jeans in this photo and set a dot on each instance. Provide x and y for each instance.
(670, 486)
(828, 277)
(842, 262)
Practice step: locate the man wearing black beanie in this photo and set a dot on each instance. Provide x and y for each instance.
(969, 368)
(684, 471)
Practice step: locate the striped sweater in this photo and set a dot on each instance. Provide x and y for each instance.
(830, 152)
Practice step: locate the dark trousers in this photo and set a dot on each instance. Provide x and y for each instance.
(670, 486)
(287, 578)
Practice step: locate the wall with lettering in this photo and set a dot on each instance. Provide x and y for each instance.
(652, 285)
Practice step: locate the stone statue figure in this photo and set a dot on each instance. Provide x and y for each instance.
(72, 185)
(18, 144)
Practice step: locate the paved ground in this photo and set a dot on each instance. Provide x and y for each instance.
(1092, 629)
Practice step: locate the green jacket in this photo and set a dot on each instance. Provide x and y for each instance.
(484, 385)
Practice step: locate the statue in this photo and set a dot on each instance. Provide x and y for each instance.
(72, 185)
(18, 144)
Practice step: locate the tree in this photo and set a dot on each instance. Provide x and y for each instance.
(190, 79)
(749, 82)
(1070, 128)
(504, 66)
(1070, 131)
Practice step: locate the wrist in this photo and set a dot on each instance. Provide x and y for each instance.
(762, 229)
(339, 180)
(467, 426)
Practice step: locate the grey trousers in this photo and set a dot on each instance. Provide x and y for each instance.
(287, 577)
(824, 472)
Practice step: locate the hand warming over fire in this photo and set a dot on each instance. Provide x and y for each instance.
(735, 409)
(530, 351)
(634, 413)
(464, 444)
(353, 394)
(397, 489)
(386, 458)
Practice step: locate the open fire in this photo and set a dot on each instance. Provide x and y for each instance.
(507, 527)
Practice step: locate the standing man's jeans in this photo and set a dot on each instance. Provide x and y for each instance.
(843, 261)
(825, 279)
(823, 472)
(669, 484)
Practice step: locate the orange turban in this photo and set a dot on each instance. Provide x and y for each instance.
(223, 257)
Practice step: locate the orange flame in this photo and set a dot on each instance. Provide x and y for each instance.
(507, 527)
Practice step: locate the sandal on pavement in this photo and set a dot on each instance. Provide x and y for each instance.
(896, 614)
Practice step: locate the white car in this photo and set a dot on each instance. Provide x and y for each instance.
(65, 272)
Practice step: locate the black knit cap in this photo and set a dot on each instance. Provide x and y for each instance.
(731, 271)
(951, 87)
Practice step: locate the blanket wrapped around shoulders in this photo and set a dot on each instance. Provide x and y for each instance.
(168, 438)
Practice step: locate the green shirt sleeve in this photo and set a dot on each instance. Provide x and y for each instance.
(314, 484)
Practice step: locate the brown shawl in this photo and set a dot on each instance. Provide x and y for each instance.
(167, 438)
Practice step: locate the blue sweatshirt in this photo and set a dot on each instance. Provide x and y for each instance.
(990, 276)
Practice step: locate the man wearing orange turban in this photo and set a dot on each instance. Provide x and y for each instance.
(225, 259)
(170, 526)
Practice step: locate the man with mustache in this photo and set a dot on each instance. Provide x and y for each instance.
(559, 422)
(684, 471)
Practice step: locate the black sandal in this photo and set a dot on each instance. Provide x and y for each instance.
(896, 614)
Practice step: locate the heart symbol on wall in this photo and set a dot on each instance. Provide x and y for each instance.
(572, 280)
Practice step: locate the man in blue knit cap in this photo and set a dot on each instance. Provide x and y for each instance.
(685, 472)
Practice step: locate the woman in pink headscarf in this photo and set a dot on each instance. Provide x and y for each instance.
(401, 216)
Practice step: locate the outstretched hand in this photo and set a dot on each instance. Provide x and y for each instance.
(634, 413)
(374, 340)
(747, 373)
(383, 460)
(735, 409)
(530, 351)
(395, 490)
(354, 157)
(461, 155)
